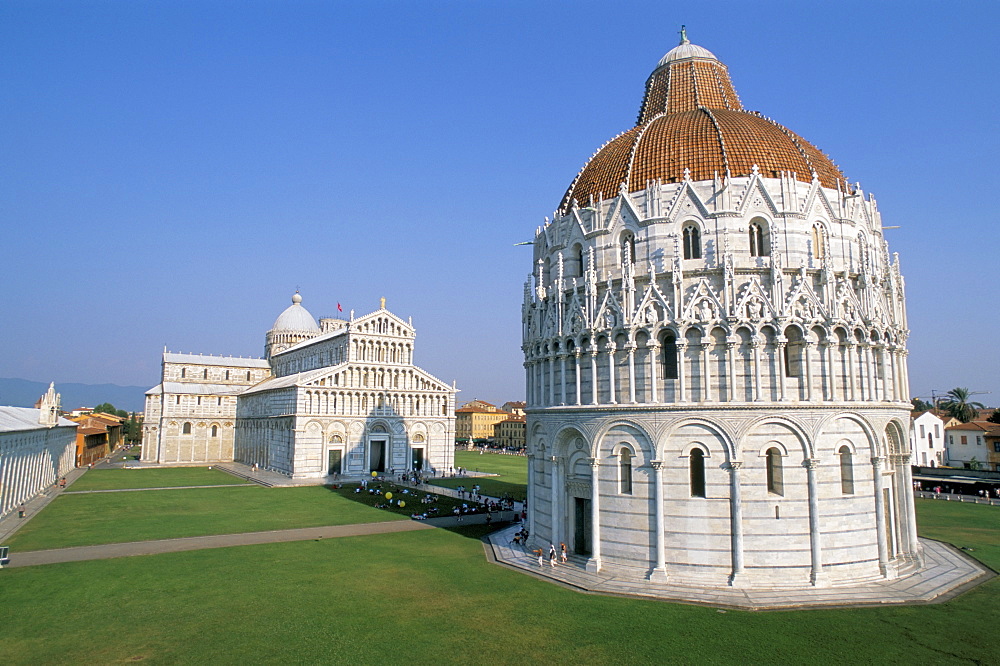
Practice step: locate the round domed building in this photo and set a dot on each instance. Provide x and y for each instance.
(714, 345)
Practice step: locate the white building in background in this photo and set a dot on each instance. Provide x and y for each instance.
(927, 440)
(191, 414)
(333, 397)
(714, 343)
(345, 398)
(37, 447)
(967, 446)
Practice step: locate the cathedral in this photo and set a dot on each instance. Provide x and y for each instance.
(337, 396)
(714, 337)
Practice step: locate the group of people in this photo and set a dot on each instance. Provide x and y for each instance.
(562, 555)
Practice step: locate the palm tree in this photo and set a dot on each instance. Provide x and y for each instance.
(957, 404)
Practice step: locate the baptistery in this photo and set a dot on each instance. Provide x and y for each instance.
(714, 337)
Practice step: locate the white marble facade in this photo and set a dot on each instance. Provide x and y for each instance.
(37, 447)
(331, 397)
(345, 399)
(734, 413)
(191, 414)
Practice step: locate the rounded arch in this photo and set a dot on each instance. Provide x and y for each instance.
(874, 441)
(757, 429)
(643, 440)
(718, 430)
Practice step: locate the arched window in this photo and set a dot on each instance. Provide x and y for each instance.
(697, 473)
(775, 484)
(187, 428)
(692, 242)
(578, 258)
(215, 431)
(793, 352)
(669, 347)
(628, 247)
(758, 240)
(625, 471)
(818, 241)
(846, 471)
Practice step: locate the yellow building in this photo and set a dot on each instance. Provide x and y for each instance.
(476, 420)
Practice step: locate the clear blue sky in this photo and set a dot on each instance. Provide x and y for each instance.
(171, 171)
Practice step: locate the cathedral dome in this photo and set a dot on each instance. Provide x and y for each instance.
(296, 318)
(691, 119)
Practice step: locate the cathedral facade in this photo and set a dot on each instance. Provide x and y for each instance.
(330, 397)
(714, 343)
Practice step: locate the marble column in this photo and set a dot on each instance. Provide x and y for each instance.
(911, 510)
(731, 382)
(781, 370)
(576, 376)
(594, 563)
(552, 379)
(660, 571)
(593, 373)
(807, 353)
(755, 348)
(681, 372)
(612, 389)
(851, 380)
(557, 517)
(654, 353)
(817, 576)
(883, 548)
(631, 371)
(562, 378)
(832, 371)
(706, 363)
(737, 577)
(531, 499)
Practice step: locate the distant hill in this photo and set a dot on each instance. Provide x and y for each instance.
(24, 393)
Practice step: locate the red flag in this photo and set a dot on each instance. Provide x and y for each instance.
(339, 309)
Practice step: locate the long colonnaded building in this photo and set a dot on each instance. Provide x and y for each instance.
(715, 352)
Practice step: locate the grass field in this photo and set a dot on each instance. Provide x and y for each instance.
(81, 520)
(430, 596)
(513, 471)
(170, 477)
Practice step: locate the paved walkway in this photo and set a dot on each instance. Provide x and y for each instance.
(946, 573)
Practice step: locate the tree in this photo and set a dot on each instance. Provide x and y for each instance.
(921, 406)
(106, 408)
(995, 416)
(958, 405)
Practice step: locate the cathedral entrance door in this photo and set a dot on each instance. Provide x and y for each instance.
(581, 526)
(418, 460)
(377, 455)
(333, 466)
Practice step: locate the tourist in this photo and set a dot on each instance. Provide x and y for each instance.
(563, 555)
(20, 510)
(552, 555)
(541, 556)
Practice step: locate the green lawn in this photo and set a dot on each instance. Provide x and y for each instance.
(83, 520)
(430, 596)
(169, 477)
(513, 471)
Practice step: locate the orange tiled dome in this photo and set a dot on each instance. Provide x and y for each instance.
(691, 118)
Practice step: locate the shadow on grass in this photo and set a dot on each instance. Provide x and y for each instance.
(406, 502)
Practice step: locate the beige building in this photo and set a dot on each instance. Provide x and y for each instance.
(509, 433)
